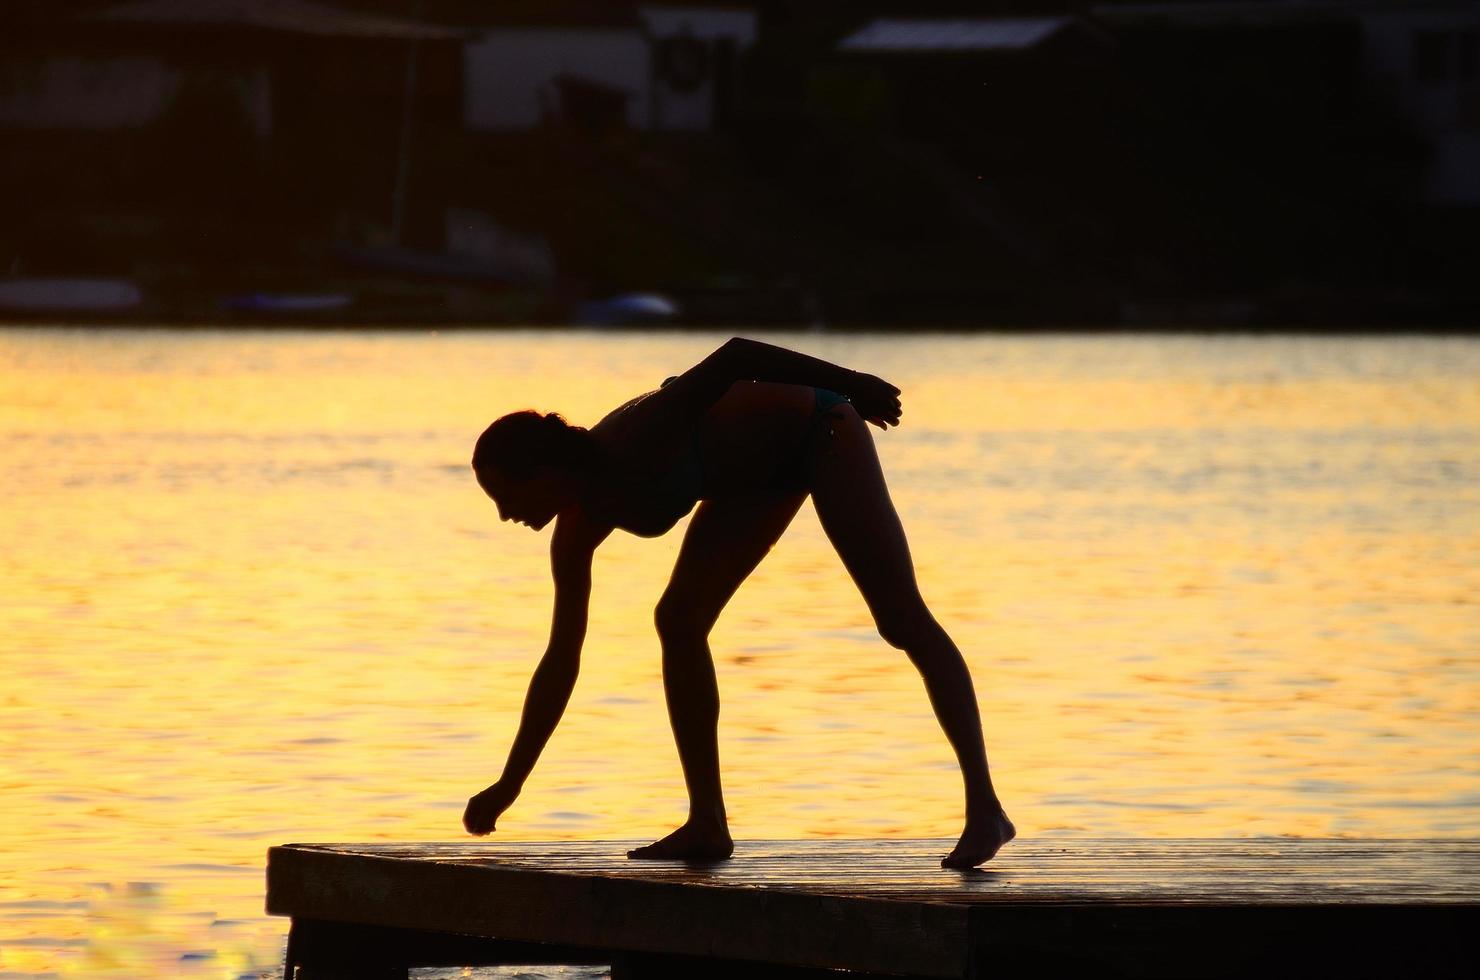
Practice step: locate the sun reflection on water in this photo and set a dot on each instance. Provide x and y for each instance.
(1207, 586)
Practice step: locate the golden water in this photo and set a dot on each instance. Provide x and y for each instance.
(1207, 586)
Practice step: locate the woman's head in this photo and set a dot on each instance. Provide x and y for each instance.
(532, 465)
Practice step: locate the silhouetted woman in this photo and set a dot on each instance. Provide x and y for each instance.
(748, 433)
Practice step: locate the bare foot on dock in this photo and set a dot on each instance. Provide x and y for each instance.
(980, 841)
(690, 843)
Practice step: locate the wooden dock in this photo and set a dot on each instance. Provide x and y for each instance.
(796, 909)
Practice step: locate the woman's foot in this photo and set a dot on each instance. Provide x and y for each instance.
(980, 841)
(691, 842)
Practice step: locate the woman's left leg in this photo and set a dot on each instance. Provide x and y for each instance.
(855, 510)
(725, 541)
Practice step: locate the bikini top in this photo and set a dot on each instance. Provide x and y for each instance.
(670, 494)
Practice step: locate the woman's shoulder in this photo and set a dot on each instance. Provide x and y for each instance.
(622, 412)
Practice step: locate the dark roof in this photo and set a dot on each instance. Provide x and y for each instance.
(888, 34)
(280, 16)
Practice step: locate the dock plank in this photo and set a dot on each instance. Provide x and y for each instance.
(887, 907)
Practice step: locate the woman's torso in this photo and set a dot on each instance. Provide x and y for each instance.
(660, 461)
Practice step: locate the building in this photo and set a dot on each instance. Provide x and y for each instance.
(124, 65)
(639, 67)
(1425, 59)
(214, 131)
(1415, 60)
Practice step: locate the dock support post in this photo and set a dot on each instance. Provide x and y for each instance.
(349, 973)
(332, 951)
(653, 966)
(324, 950)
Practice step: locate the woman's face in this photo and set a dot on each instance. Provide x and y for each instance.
(533, 502)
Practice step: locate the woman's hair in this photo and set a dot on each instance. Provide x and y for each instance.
(521, 442)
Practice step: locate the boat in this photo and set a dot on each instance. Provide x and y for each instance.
(628, 309)
(54, 295)
(287, 302)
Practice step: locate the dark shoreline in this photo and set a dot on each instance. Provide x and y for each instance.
(438, 327)
(388, 304)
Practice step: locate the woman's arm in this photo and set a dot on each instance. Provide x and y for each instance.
(741, 359)
(573, 543)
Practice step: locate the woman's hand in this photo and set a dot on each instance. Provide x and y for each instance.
(875, 399)
(484, 809)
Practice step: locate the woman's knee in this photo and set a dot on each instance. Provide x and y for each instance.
(679, 621)
(908, 627)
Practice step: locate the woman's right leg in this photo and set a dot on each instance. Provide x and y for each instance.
(855, 510)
